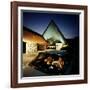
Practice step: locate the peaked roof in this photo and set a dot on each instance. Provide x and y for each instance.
(52, 31)
(30, 35)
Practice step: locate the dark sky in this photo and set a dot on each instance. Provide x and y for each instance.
(38, 22)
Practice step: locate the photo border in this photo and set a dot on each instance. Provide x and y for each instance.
(14, 43)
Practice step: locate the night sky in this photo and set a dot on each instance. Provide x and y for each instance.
(68, 24)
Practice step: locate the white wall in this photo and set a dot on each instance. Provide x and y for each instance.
(5, 46)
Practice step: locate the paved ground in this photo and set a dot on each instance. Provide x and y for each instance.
(31, 71)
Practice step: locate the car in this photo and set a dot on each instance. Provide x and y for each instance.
(46, 66)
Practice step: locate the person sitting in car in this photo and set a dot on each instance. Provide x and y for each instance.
(48, 60)
(59, 63)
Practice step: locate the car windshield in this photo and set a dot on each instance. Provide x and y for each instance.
(41, 56)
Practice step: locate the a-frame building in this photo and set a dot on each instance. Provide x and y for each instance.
(53, 33)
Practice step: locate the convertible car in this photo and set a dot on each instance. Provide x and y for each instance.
(54, 62)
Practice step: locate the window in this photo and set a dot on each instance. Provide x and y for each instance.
(24, 47)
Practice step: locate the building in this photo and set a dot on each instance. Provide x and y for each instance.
(32, 41)
(54, 36)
